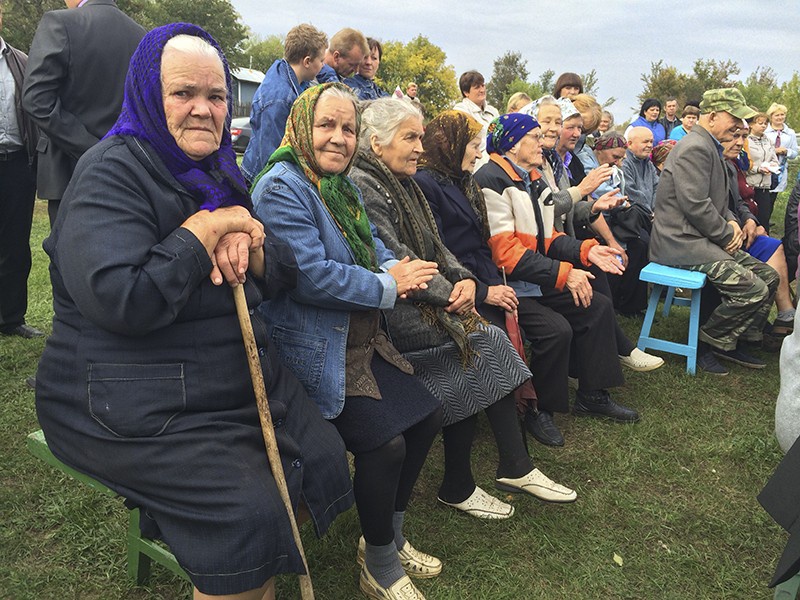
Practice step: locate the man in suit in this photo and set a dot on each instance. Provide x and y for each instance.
(74, 85)
(694, 229)
(17, 192)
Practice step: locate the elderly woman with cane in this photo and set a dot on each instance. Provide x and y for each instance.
(144, 382)
(331, 332)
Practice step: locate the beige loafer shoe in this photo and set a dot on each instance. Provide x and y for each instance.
(415, 563)
(641, 361)
(402, 589)
(482, 505)
(537, 484)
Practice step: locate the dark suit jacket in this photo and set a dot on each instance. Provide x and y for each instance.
(690, 226)
(460, 230)
(74, 84)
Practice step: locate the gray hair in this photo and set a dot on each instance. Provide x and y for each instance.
(340, 92)
(382, 118)
(532, 108)
(191, 44)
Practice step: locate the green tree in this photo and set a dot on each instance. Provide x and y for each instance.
(218, 17)
(260, 53)
(21, 17)
(424, 63)
(761, 88)
(508, 68)
(665, 80)
(590, 83)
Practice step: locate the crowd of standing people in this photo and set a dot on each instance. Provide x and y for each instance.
(402, 275)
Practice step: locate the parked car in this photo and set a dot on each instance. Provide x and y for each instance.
(240, 133)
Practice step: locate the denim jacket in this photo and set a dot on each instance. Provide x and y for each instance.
(365, 89)
(309, 325)
(271, 105)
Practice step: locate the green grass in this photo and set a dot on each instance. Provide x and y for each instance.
(674, 496)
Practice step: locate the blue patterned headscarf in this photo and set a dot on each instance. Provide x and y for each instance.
(214, 181)
(507, 130)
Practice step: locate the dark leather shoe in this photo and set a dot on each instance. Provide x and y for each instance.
(598, 403)
(740, 358)
(709, 363)
(24, 330)
(541, 426)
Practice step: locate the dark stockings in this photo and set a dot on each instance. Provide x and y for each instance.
(458, 482)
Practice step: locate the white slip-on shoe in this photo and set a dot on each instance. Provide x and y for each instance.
(641, 361)
(482, 505)
(537, 484)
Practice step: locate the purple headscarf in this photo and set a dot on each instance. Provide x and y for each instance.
(214, 181)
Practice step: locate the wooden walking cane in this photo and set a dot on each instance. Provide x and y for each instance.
(306, 589)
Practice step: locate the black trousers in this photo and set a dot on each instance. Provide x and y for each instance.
(568, 339)
(17, 194)
(627, 290)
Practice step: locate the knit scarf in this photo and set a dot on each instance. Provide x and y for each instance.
(418, 231)
(215, 180)
(338, 193)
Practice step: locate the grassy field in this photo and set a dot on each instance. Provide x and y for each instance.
(673, 498)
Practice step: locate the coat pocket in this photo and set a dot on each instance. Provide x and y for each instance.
(302, 354)
(133, 400)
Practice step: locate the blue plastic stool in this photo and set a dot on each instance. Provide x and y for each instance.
(788, 590)
(669, 278)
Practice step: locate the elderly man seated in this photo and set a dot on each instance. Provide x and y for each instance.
(694, 229)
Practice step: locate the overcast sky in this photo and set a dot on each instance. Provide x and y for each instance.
(617, 38)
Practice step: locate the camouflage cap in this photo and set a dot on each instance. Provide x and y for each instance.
(729, 100)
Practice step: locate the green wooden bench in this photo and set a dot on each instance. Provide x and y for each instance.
(140, 549)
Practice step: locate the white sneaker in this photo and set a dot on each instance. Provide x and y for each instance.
(641, 361)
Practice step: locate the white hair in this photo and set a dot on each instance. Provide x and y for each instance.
(382, 118)
(190, 44)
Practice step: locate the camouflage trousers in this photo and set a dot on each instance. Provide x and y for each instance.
(747, 287)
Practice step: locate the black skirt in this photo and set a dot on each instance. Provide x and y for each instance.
(366, 423)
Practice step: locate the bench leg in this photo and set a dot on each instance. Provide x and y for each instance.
(138, 561)
(652, 307)
(694, 328)
(668, 301)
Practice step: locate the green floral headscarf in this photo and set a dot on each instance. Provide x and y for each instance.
(338, 193)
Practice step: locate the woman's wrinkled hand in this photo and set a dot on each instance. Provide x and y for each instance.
(412, 275)
(231, 258)
(232, 238)
(607, 259)
(608, 201)
(503, 296)
(593, 179)
(462, 298)
(579, 285)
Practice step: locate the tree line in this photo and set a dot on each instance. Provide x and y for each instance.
(420, 60)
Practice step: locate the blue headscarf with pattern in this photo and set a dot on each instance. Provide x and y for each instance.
(214, 181)
(504, 132)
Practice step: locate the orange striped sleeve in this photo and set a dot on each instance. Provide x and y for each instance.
(509, 246)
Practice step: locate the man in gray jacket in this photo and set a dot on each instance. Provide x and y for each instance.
(694, 229)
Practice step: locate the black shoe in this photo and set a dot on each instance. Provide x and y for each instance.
(541, 426)
(599, 404)
(24, 330)
(31, 382)
(708, 363)
(740, 358)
